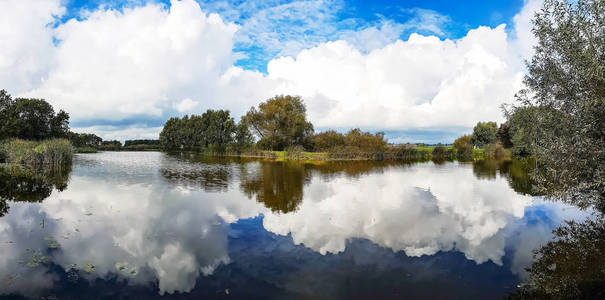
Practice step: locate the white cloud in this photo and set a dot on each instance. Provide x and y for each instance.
(421, 82)
(113, 65)
(27, 50)
(524, 38)
(186, 105)
(155, 62)
(121, 133)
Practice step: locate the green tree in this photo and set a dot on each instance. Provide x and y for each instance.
(220, 129)
(31, 119)
(463, 147)
(214, 130)
(504, 135)
(566, 80)
(484, 133)
(243, 137)
(280, 122)
(59, 125)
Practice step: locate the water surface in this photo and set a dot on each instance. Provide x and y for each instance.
(153, 225)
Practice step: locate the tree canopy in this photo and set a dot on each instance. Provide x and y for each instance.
(566, 93)
(214, 130)
(30, 119)
(484, 133)
(280, 122)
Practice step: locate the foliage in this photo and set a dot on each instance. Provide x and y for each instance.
(359, 145)
(243, 138)
(495, 151)
(111, 146)
(280, 122)
(31, 119)
(86, 149)
(566, 80)
(326, 140)
(18, 183)
(142, 142)
(214, 130)
(463, 147)
(504, 136)
(484, 133)
(80, 140)
(572, 266)
(47, 154)
(441, 152)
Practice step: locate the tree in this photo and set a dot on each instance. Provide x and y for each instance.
(504, 136)
(59, 125)
(280, 122)
(84, 140)
(566, 81)
(214, 130)
(463, 147)
(484, 133)
(220, 129)
(31, 119)
(243, 137)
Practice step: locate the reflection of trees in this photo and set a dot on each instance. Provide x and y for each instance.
(278, 185)
(516, 171)
(22, 184)
(486, 168)
(209, 172)
(571, 266)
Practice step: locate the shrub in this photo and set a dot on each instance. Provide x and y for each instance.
(326, 140)
(463, 147)
(294, 152)
(496, 151)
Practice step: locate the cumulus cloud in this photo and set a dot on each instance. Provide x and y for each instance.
(153, 61)
(422, 82)
(26, 36)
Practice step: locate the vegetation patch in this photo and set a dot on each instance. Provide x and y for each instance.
(50, 153)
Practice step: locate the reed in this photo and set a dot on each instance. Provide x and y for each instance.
(49, 153)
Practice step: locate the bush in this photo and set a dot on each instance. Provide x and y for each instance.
(326, 140)
(86, 150)
(49, 153)
(463, 147)
(496, 151)
(294, 152)
(441, 152)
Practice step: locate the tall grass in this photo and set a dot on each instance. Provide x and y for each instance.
(48, 154)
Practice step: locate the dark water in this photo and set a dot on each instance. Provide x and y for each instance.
(152, 225)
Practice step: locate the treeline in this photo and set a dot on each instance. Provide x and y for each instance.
(280, 124)
(90, 142)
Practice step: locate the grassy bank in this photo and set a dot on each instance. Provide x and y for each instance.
(49, 153)
(391, 153)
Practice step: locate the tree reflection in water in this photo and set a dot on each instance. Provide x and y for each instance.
(22, 184)
(571, 266)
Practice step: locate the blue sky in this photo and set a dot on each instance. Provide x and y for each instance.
(421, 71)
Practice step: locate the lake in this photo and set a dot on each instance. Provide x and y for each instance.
(153, 225)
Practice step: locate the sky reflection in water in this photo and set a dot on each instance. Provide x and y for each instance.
(154, 224)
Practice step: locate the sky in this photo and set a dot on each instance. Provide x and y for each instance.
(420, 71)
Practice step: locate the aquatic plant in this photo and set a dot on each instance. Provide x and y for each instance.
(52, 153)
